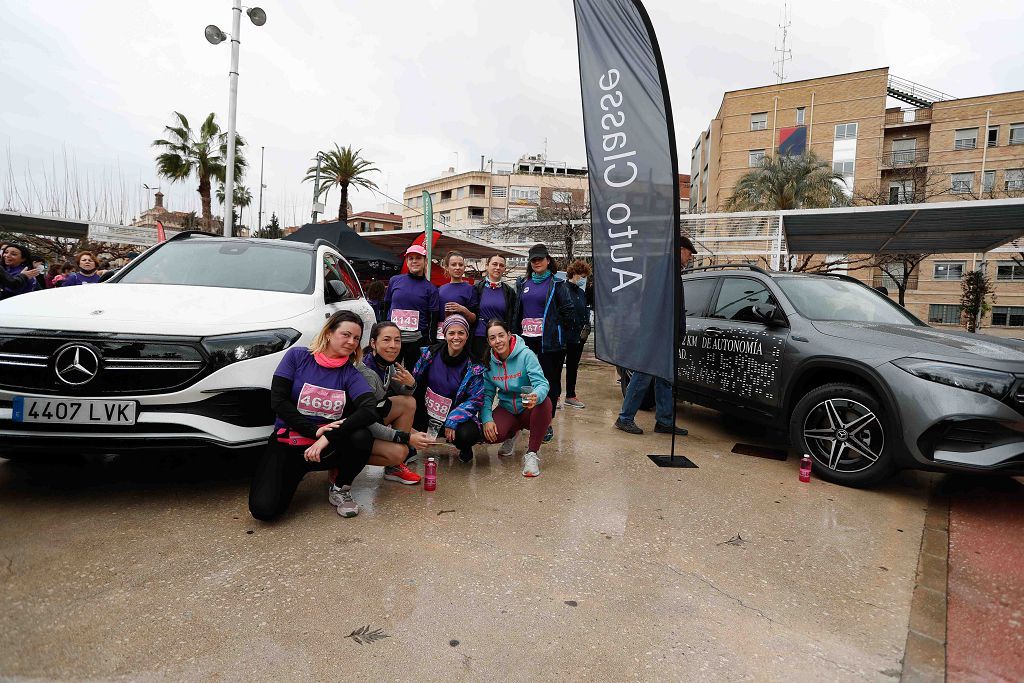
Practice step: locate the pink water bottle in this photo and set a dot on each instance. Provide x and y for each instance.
(430, 475)
(805, 468)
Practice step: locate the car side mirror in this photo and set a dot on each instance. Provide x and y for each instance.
(337, 290)
(769, 315)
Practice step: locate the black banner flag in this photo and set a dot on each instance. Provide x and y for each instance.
(634, 186)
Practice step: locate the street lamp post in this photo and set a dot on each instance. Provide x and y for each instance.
(259, 213)
(316, 185)
(214, 36)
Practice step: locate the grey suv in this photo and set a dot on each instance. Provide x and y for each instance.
(864, 387)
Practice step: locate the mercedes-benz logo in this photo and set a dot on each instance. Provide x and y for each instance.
(842, 434)
(76, 364)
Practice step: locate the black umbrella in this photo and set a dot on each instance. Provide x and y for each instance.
(369, 260)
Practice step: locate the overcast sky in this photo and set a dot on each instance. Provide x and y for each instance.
(413, 82)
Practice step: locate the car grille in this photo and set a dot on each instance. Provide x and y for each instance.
(109, 364)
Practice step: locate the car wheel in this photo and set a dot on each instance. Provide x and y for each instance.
(847, 434)
(624, 376)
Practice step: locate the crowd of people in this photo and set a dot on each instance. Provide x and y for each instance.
(22, 273)
(464, 364)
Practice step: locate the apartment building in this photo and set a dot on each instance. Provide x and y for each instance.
(374, 221)
(893, 141)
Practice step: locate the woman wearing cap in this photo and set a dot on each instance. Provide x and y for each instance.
(458, 296)
(511, 366)
(323, 406)
(411, 302)
(87, 273)
(496, 300)
(17, 260)
(543, 309)
(450, 387)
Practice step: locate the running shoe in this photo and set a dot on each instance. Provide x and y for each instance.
(531, 464)
(401, 474)
(342, 498)
(508, 447)
(575, 403)
(466, 455)
(550, 434)
(628, 426)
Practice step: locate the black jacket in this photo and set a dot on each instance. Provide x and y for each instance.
(511, 300)
(574, 327)
(559, 314)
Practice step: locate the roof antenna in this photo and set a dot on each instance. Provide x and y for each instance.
(784, 54)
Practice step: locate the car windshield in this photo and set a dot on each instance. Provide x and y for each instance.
(215, 263)
(833, 299)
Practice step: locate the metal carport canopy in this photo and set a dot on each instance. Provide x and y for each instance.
(397, 241)
(935, 228)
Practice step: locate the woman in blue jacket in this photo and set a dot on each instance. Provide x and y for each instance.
(511, 366)
(543, 309)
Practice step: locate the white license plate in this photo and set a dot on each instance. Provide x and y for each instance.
(73, 411)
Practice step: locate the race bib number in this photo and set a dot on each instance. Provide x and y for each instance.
(437, 405)
(440, 334)
(533, 327)
(407, 321)
(320, 402)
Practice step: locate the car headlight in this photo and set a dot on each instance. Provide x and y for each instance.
(231, 348)
(989, 382)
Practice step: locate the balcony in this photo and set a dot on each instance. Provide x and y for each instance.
(882, 280)
(905, 158)
(908, 117)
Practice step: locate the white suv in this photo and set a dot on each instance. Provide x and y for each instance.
(177, 350)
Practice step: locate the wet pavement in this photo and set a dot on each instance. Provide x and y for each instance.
(604, 567)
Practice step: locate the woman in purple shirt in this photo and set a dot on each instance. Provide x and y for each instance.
(87, 273)
(496, 300)
(458, 296)
(17, 259)
(411, 302)
(324, 406)
(544, 308)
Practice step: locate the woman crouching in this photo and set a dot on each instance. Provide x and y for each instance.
(450, 388)
(323, 406)
(512, 368)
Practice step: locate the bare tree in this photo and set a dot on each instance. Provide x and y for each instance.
(565, 223)
(900, 268)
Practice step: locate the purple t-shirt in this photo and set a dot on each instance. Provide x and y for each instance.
(461, 293)
(29, 286)
(444, 379)
(492, 305)
(413, 294)
(321, 394)
(80, 279)
(535, 297)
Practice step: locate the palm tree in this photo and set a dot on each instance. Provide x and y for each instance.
(788, 182)
(205, 156)
(243, 198)
(343, 167)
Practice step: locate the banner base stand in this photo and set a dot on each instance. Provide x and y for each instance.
(672, 461)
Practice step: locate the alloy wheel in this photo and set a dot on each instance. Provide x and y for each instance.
(844, 435)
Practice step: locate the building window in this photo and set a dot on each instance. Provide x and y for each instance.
(461, 192)
(901, 192)
(1014, 179)
(561, 197)
(948, 270)
(962, 183)
(846, 131)
(843, 168)
(944, 314)
(892, 275)
(499, 192)
(524, 195)
(1009, 271)
(759, 121)
(755, 158)
(497, 214)
(993, 136)
(446, 217)
(1008, 316)
(516, 213)
(476, 213)
(966, 138)
(1017, 133)
(800, 111)
(988, 181)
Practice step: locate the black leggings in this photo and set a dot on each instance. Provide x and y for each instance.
(411, 352)
(282, 467)
(551, 365)
(467, 434)
(573, 353)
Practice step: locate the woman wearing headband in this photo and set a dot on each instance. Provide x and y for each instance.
(450, 388)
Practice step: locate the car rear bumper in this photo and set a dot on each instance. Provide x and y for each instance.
(951, 429)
